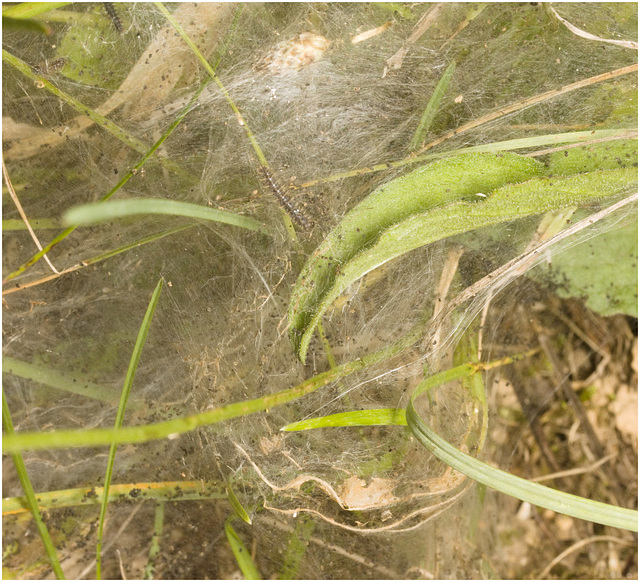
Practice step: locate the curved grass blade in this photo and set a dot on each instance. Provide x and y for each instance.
(30, 496)
(25, 25)
(237, 506)
(501, 481)
(103, 211)
(432, 107)
(241, 554)
(522, 489)
(124, 397)
(318, 286)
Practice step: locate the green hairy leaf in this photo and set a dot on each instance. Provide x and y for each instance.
(466, 177)
(444, 199)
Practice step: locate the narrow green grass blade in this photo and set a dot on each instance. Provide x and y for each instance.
(103, 211)
(145, 433)
(432, 107)
(35, 258)
(103, 256)
(137, 244)
(242, 555)
(124, 397)
(30, 495)
(154, 547)
(237, 506)
(372, 417)
(500, 480)
(522, 489)
(555, 139)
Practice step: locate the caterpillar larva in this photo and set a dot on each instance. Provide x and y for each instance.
(113, 14)
(295, 213)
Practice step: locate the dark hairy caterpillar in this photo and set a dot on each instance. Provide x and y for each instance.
(295, 213)
(111, 11)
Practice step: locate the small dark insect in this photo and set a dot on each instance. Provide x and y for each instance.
(111, 11)
(295, 213)
(48, 67)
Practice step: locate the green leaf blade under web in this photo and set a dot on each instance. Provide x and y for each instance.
(458, 178)
(372, 417)
(603, 270)
(508, 203)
